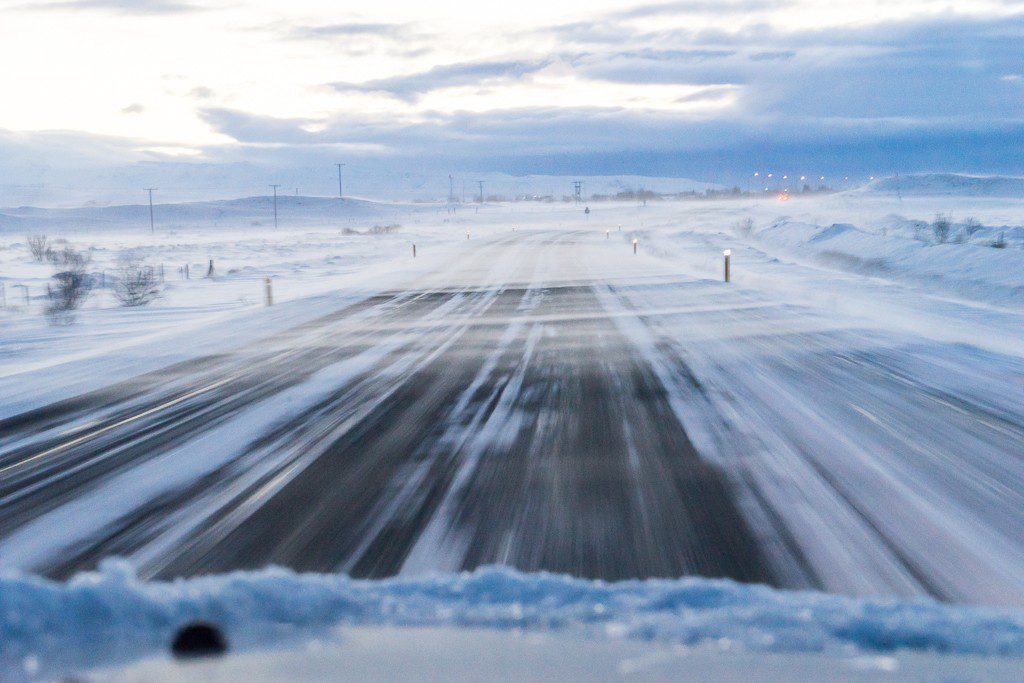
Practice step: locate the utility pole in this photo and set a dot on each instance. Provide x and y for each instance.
(481, 184)
(451, 188)
(275, 204)
(577, 187)
(152, 229)
(339, 180)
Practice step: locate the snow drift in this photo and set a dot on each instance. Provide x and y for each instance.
(110, 615)
(972, 269)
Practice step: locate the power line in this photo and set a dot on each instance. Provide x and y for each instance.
(152, 228)
(275, 204)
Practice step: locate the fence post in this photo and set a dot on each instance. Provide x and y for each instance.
(268, 292)
(209, 272)
(414, 251)
(727, 253)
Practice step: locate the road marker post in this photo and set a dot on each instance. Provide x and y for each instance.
(268, 292)
(414, 251)
(209, 271)
(634, 245)
(607, 234)
(727, 253)
(467, 234)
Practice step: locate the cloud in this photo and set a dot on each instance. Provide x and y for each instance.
(683, 7)
(932, 90)
(328, 31)
(136, 7)
(778, 55)
(411, 86)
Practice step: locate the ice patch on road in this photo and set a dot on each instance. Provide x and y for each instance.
(110, 615)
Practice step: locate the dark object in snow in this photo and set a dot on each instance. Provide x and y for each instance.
(199, 640)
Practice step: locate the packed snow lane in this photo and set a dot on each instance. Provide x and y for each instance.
(550, 401)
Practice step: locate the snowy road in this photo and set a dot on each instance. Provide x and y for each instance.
(550, 402)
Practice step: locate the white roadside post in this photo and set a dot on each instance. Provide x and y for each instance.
(467, 234)
(727, 253)
(634, 245)
(268, 292)
(607, 234)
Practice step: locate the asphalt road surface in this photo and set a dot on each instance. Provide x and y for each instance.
(520, 407)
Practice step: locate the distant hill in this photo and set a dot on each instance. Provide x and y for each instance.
(247, 211)
(950, 184)
(200, 182)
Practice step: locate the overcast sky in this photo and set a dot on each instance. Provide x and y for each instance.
(702, 88)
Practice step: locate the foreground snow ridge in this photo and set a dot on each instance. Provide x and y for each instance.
(131, 618)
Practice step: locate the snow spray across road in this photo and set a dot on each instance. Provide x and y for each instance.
(547, 401)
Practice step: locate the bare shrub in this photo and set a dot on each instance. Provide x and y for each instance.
(971, 226)
(68, 258)
(137, 284)
(744, 228)
(384, 229)
(940, 228)
(999, 243)
(38, 245)
(70, 287)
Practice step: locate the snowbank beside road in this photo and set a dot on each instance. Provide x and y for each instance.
(971, 270)
(111, 616)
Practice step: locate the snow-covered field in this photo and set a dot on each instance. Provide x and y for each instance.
(327, 249)
(861, 385)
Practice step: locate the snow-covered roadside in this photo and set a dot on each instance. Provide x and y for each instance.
(313, 273)
(971, 270)
(110, 616)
